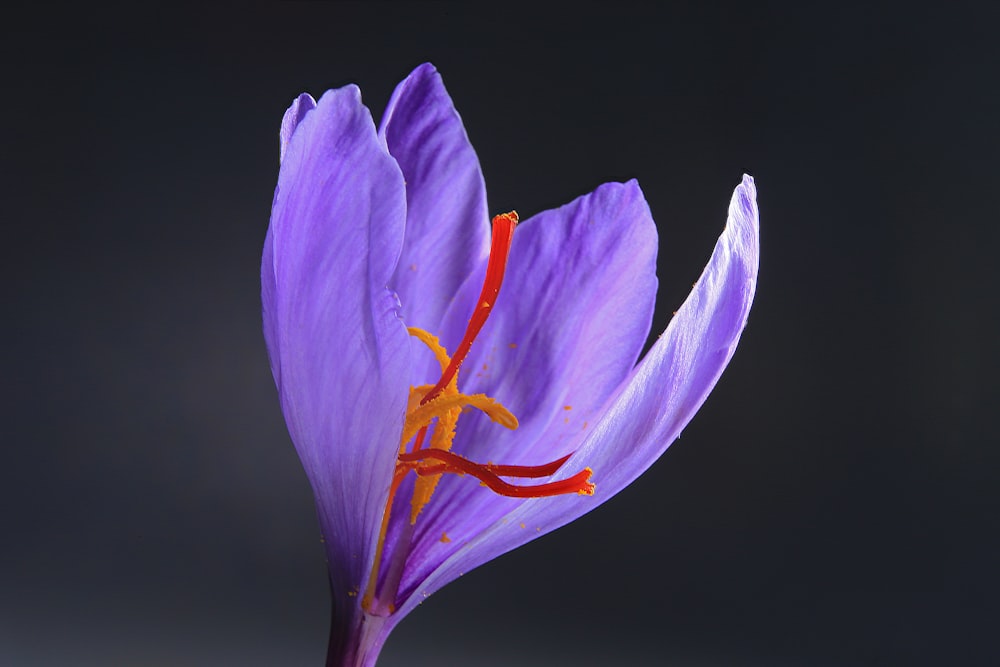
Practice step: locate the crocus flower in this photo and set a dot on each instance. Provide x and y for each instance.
(441, 422)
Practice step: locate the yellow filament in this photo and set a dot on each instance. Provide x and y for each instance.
(446, 408)
(440, 406)
(436, 347)
(423, 487)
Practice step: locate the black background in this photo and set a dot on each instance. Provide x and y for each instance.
(834, 503)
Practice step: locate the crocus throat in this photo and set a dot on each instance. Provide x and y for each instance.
(441, 405)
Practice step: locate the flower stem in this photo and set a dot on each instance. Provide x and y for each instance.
(359, 643)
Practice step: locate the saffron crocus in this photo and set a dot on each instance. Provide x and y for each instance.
(442, 420)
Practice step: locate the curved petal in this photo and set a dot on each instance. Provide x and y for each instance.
(650, 409)
(447, 228)
(339, 352)
(302, 105)
(568, 326)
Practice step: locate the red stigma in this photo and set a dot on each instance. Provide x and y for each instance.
(503, 235)
(489, 474)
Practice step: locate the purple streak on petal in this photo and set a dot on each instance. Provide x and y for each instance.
(302, 105)
(577, 302)
(652, 406)
(447, 225)
(339, 352)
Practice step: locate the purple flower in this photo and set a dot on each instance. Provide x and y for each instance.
(379, 242)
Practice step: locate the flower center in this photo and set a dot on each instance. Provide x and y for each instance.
(441, 405)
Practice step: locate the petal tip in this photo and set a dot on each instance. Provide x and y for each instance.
(350, 89)
(742, 232)
(423, 87)
(632, 184)
(629, 189)
(298, 109)
(424, 74)
(748, 191)
(424, 69)
(743, 212)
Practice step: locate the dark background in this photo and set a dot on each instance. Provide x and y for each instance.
(834, 503)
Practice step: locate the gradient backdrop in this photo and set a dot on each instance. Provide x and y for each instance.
(834, 503)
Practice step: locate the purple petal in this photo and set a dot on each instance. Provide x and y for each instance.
(339, 352)
(652, 406)
(569, 324)
(447, 228)
(302, 105)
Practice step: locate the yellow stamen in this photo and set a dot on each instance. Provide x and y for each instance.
(436, 347)
(440, 406)
(446, 408)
